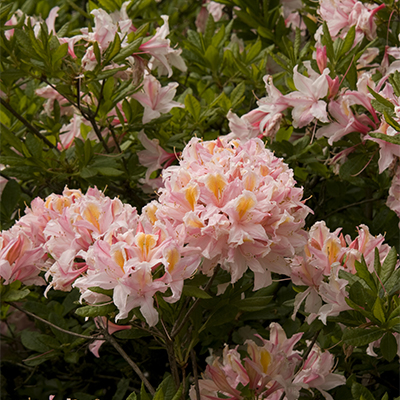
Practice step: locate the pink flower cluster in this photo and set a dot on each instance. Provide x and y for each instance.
(325, 254)
(268, 370)
(237, 202)
(91, 240)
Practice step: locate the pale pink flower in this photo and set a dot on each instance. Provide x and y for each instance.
(153, 156)
(20, 259)
(388, 152)
(393, 200)
(163, 56)
(306, 101)
(156, 99)
(69, 132)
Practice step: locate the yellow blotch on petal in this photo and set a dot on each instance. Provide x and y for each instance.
(151, 213)
(265, 360)
(119, 259)
(249, 181)
(216, 183)
(244, 204)
(191, 195)
(193, 221)
(332, 250)
(264, 170)
(145, 242)
(173, 258)
(92, 214)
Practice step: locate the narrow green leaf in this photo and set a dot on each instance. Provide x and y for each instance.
(381, 99)
(97, 54)
(217, 40)
(348, 42)
(95, 311)
(265, 33)
(388, 346)
(393, 123)
(377, 310)
(361, 336)
(394, 80)
(390, 139)
(194, 291)
(132, 396)
(178, 394)
(209, 30)
(122, 387)
(388, 265)
(10, 197)
(363, 273)
(297, 42)
(254, 51)
(327, 41)
(128, 51)
(237, 93)
(252, 304)
(193, 106)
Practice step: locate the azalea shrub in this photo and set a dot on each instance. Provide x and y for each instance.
(200, 200)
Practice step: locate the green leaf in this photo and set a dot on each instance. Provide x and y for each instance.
(327, 41)
(392, 285)
(193, 106)
(361, 336)
(32, 341)
(356, 294)
(122, 387)
(252, 304)
(159, 394)
(10, 138)
(377, 310)
(381, 99)
(178, 394)
(128, 50)
(113, 49)
(348, 41)
(194, 291)
(212, 56)
(107, 292)
(95, 311)
(353, 166)
(132, 396)
(143, 393)
(107, 171)
(360, 392)
(237, 93)
(394, 80)
(284, 134)
(217, 38)
(34, 146)
(393, 123)
(363, 273)
(15, 295)
(265, 33)
(388, 265)
(254, 51)
(388, 346)
(10, 196)
(209, 30)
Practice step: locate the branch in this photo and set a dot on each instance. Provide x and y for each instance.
(195, 373)
(30, 127)
(177, 328)
(55, 326)
(125, 356)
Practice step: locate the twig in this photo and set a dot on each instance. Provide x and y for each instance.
(30, 127)
(125, 356)
(55, 326)
(195, 373)
(348, 206)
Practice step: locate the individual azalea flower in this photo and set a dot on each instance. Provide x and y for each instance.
(393, 201)
(156, 99)
(306, 101)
